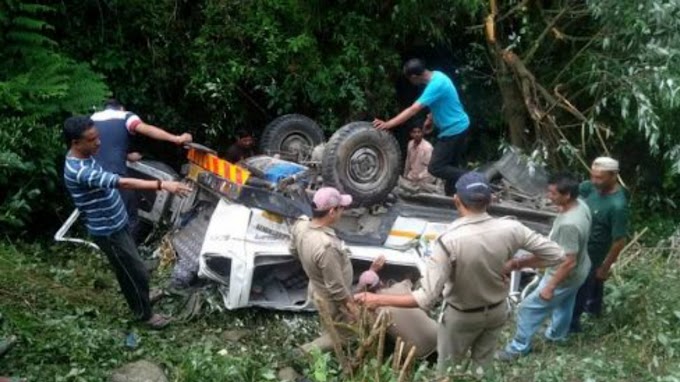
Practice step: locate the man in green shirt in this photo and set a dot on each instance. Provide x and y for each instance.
(608, 204)
(556, 293)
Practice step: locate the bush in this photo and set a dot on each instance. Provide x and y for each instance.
(29, 153)
(39, 86)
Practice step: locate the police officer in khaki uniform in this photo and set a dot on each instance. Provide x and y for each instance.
(325, 260)
(470, 265)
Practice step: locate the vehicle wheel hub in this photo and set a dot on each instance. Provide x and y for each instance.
(295, 143)
(364, 165)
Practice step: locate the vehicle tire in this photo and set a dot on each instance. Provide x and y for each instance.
(292, 135)
(363, 162)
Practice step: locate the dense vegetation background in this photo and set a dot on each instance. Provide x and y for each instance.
(565, 80)
(212, 66)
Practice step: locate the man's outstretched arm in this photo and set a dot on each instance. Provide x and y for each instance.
(404, 116)
(157, 133)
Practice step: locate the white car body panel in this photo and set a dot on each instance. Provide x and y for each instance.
(251, 237)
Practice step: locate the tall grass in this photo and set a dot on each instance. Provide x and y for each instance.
(72, 324)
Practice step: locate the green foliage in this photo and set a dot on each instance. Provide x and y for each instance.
(36, 80)
(618, 64)
(74, 328)
(214, 66)
(323, 368)
(38, 85)
(329, 62)
(634, 66)
(29, 152)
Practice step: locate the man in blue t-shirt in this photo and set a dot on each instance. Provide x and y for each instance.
(95, 193)
(115, 126)
(446, 113)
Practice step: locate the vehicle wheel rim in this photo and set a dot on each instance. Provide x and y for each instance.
(364, 165)
(295, 143)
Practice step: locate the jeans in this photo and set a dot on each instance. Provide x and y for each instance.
(534, 309)
(130, 271)
(448, 161)
(589, 298)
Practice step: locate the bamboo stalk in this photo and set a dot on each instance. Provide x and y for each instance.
(368, 342)
(397, 354)
(407, 364)
(381, 348)
(629, 259)
(329, 325)
(381, 340)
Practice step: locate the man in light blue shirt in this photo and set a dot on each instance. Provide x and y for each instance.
(446, 113)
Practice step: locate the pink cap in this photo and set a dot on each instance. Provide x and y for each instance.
(368, 279)
(328, 197)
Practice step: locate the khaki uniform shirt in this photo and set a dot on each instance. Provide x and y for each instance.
(467, 261)
(326, 263)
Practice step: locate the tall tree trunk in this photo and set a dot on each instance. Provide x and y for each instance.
(514, 108)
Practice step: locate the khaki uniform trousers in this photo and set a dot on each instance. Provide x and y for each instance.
(477, 332)
(325, 341)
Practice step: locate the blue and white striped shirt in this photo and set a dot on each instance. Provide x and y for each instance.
(94, 193)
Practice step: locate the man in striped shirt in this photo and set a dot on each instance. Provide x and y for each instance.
(95, 193)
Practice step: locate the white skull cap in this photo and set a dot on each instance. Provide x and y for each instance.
(606, 164)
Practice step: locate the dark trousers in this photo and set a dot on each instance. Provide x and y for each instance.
(590, 298)
(131, 206)
(130, 271)
(448, 161)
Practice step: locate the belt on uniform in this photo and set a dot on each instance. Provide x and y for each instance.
(475, 310)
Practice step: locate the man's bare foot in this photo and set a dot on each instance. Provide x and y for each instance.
(158, 322)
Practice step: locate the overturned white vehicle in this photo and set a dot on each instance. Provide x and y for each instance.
(234, 229)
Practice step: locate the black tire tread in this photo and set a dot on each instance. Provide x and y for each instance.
(331, 155)
(272, 132)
